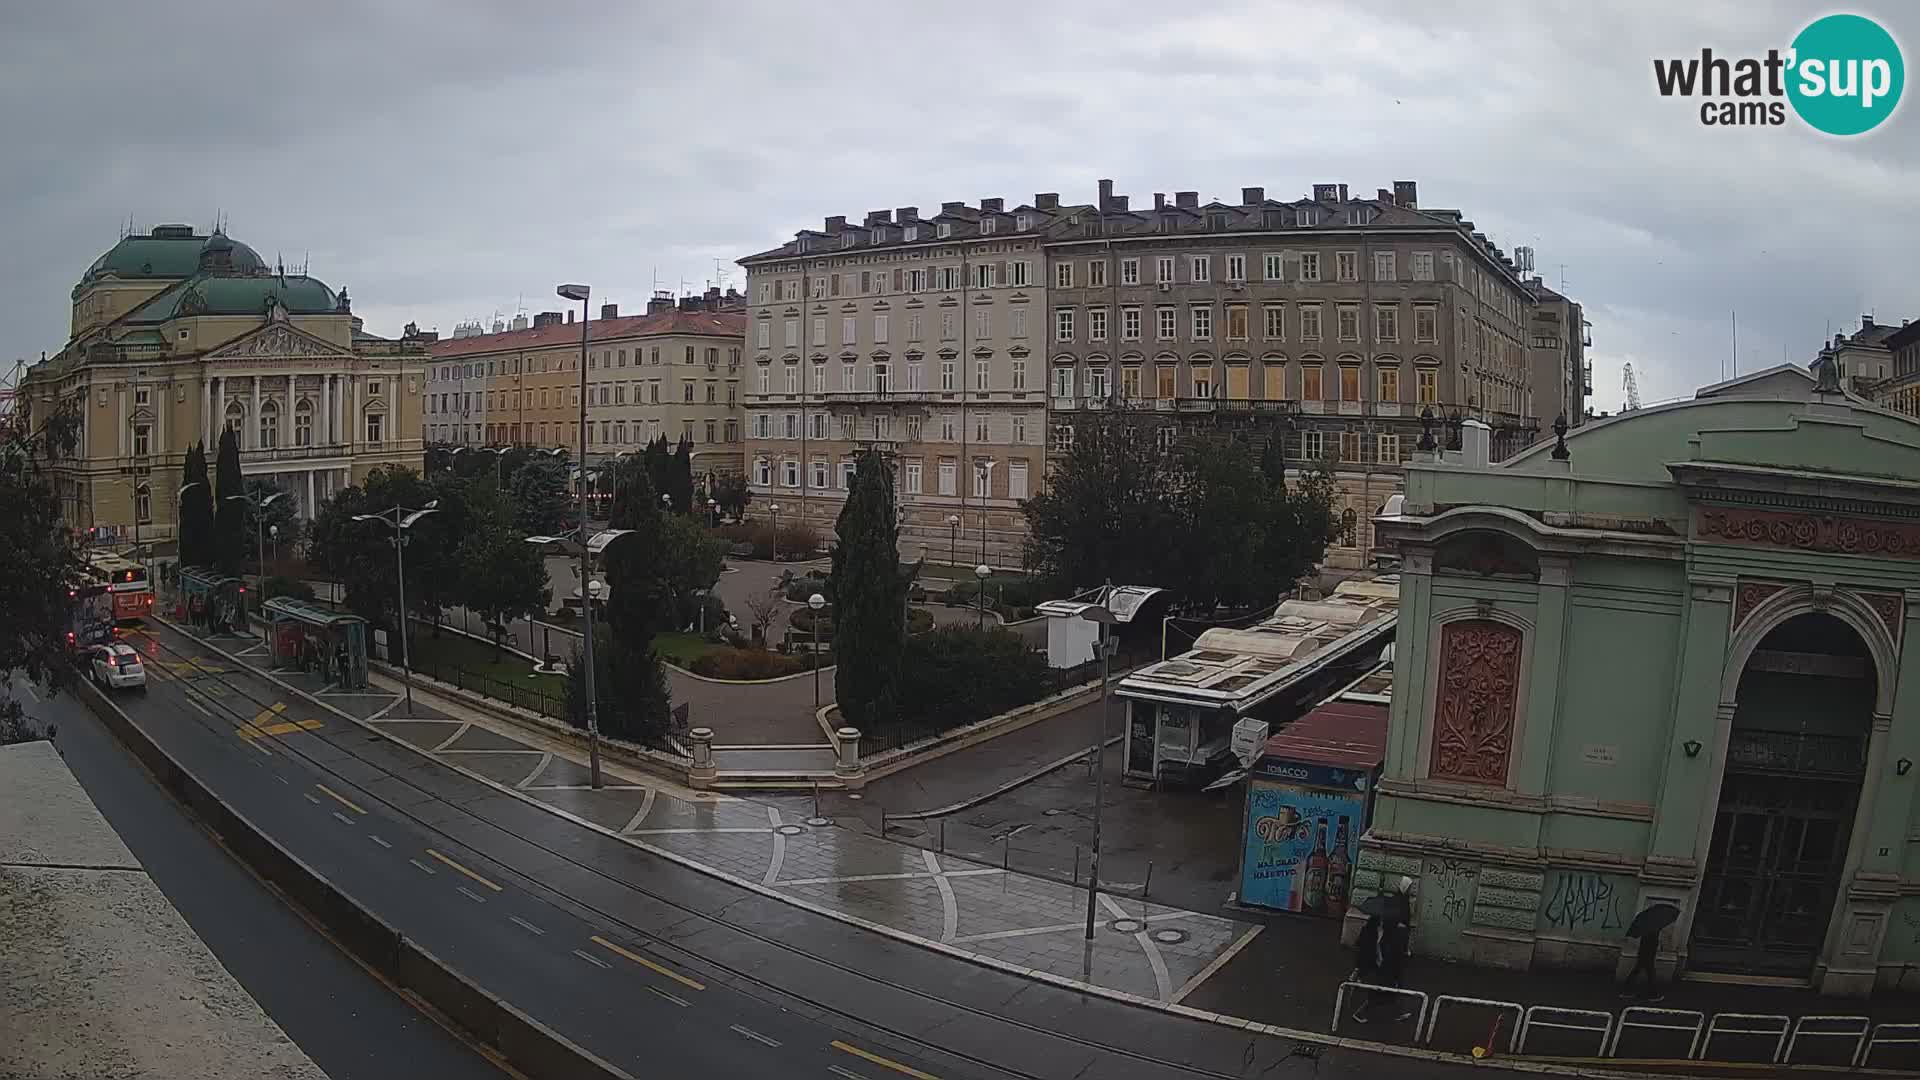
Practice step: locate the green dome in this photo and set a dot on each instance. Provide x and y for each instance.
(171, 251)
(248, 295)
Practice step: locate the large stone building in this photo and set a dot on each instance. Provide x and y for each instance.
(176, 336)
(1328, 320)
(674, 371)
(919, 336)
(1900, 390)
(1558, 338)
(1664, 664)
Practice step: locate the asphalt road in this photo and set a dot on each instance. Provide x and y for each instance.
(352, 1025)
(654, 967)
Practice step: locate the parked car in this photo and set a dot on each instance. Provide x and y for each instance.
(116, 665)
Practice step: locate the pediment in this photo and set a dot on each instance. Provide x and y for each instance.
(278, 340)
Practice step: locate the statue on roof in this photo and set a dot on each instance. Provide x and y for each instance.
(1826, 374)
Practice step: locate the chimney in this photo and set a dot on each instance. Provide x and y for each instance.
(879, 217)
(950, 207)
(1343, 193)
(907, 215)
(690, 303)
(1476, 444)
(546, 319)
(1252, 196)
(1047, 200)
(835, 224)
(1159, 200)
(1106, 195)
(1120, 203)
(1187, 200)
(661, 301)
(1406, 193)
(996, 206)
(1326, 192)
(569, 316)
(1866, 323)
(1383, 195)
(609, 311)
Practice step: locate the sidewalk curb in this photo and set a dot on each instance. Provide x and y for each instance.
(526, 1043)
(1317, 1038)
(1018, 781)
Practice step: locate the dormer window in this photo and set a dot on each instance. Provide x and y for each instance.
(987, 225)
(911, 233)
(944, 230)
(802, 242)
(879, 236)
(1310, 215)
(846, 240)
(1023, 222)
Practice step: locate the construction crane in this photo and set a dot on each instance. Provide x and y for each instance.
(1630, 384)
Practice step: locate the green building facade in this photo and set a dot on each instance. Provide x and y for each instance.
(1664, 667)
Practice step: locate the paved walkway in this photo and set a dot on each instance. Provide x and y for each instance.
(1029, 922)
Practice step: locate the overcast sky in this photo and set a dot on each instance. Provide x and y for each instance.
(449, 160)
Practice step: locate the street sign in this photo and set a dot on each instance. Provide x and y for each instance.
(1249, 738)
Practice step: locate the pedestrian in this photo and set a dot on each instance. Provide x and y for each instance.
(1381, 951)
(340, 665)
(1649, 951)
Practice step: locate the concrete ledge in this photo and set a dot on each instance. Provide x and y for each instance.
(531, 1047)
(932, 747)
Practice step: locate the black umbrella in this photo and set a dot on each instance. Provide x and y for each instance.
(1655, 918)
(1388, 907)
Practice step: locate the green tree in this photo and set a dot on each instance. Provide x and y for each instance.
(869, 624)
(689, 560)
(657, 460)
(503, 577)
(733, 495)
(37, 561)
(630, 687)
(438, 458)
(641, 602)
(230, 541)
(196, 509)
(960, 674)
(360, 554)
(257, 526)
(1107, 507)
(542, 504)
(679, 486)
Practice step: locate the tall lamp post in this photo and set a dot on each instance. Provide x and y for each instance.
(713, 513)
(986, 489)
(1104, 616)
(402, 519)
(953, 539)
(816, 603)
(981, 572)
(774, 509)
(257, 503)
(581, 293)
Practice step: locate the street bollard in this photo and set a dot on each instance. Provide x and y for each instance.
(1076, 866)
(700, 748)
(846, 766)
(1147, 886)
(943, 836)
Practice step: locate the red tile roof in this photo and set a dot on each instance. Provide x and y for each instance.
(706, 323)
(1344, 734)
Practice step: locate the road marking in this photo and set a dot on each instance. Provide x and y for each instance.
(840, 1072)
(545, 760)
(451, 739)
(649, 965)
(308, 795)
(1216, 964)
(680, 1001)
(423, 867)
(339, 798)
(470, 894)
(464, 870)
(280, 778)
(254, 731)
(885, 1063)
(640, 815)
(379, 841)
(754, 1035)
(344, 819)
(525, 925)
(591, 959)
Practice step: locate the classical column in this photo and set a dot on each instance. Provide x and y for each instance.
(349, 411)
(124, 427)
(323, 420)
(252, 440)
(311, 505)
(206, 408)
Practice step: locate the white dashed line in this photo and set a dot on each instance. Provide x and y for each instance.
(379, 841)
(420, 866)
(525, 925)
(309, 797)
(344, 819)
(283, 780)
(470, 894)
(682, 1002)
(591, 959)
(840, 1072)
(754, 1035)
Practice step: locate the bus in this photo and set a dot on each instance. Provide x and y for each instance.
(127, 581)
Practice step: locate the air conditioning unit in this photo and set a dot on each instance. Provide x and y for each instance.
(1166, 286)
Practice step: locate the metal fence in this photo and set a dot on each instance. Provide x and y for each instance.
(535, 698)
(907, 732)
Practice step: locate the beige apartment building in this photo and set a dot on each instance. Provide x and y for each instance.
(922, 337)
(176, 336)
(672, 372)
(1558, 338)
(1330, 321)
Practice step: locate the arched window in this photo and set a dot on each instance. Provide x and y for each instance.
(143, 504)
(1349, 527)
(269, 425)
(303, 423)
(236, 417)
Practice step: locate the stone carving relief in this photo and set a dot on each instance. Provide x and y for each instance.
(1810, 532)
(1750, 595)
(1478, 697)
(1891, 607)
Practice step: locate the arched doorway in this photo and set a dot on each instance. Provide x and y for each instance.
(1795, 761)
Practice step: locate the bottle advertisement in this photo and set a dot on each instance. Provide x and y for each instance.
(1299, 854)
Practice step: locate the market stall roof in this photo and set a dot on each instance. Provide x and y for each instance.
(1123, 600)
(1341, 734)
(287, 607)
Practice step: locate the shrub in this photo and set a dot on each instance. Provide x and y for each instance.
(282, 585)
(801, 588)
(732, 663)
(797, 541)
(802, 621)
(960, 675)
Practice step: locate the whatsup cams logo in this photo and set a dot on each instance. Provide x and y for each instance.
(1842, 75)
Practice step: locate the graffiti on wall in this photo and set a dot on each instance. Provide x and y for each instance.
(1449, 884)
(1585, 902)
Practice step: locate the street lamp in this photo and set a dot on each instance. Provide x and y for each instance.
(816, 602)
(257, 503)
(774, 509)
(581, 293)
(713, 513)
(273, 533)
(1104, 616)
(981, 572)
(953, 539)
(402, 519)
(986, 488)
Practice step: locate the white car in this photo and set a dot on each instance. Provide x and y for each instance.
(116, 665)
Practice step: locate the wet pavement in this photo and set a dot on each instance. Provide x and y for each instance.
(972, 905)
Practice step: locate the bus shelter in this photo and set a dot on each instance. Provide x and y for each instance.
(211, 602)
(313, 639)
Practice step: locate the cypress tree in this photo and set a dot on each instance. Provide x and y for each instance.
(229, 515)
(196, 509)
(869, 611)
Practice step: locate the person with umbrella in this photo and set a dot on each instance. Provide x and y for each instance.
(1647, 926)
(1381, 949)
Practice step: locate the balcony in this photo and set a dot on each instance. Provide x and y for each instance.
(878, 397)
(1256, 406)
(298, 453)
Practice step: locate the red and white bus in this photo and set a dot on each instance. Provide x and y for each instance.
(127, 581)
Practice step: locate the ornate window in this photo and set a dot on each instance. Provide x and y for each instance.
(269, 425)
(1476, 702)
(303, 423)
(236, 417)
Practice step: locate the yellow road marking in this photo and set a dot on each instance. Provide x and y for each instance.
(464, 870)
(339, 798)
(885, 1063)
(650, 965)
(287, 728)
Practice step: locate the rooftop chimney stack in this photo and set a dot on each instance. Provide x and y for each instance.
(836, 225)
(1252, 196)
(1047, 200)
(661, 300)
(996, 206)
(546, 319)
(1106, 195)
(1383, 195)
(1343, 193)
(1326, 192)
(609, 311)
(1159, 200)
(1406, 194)
(1187, 200)
(907, 215)
(950, 207)
(1120, 203)
(1866, 322)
